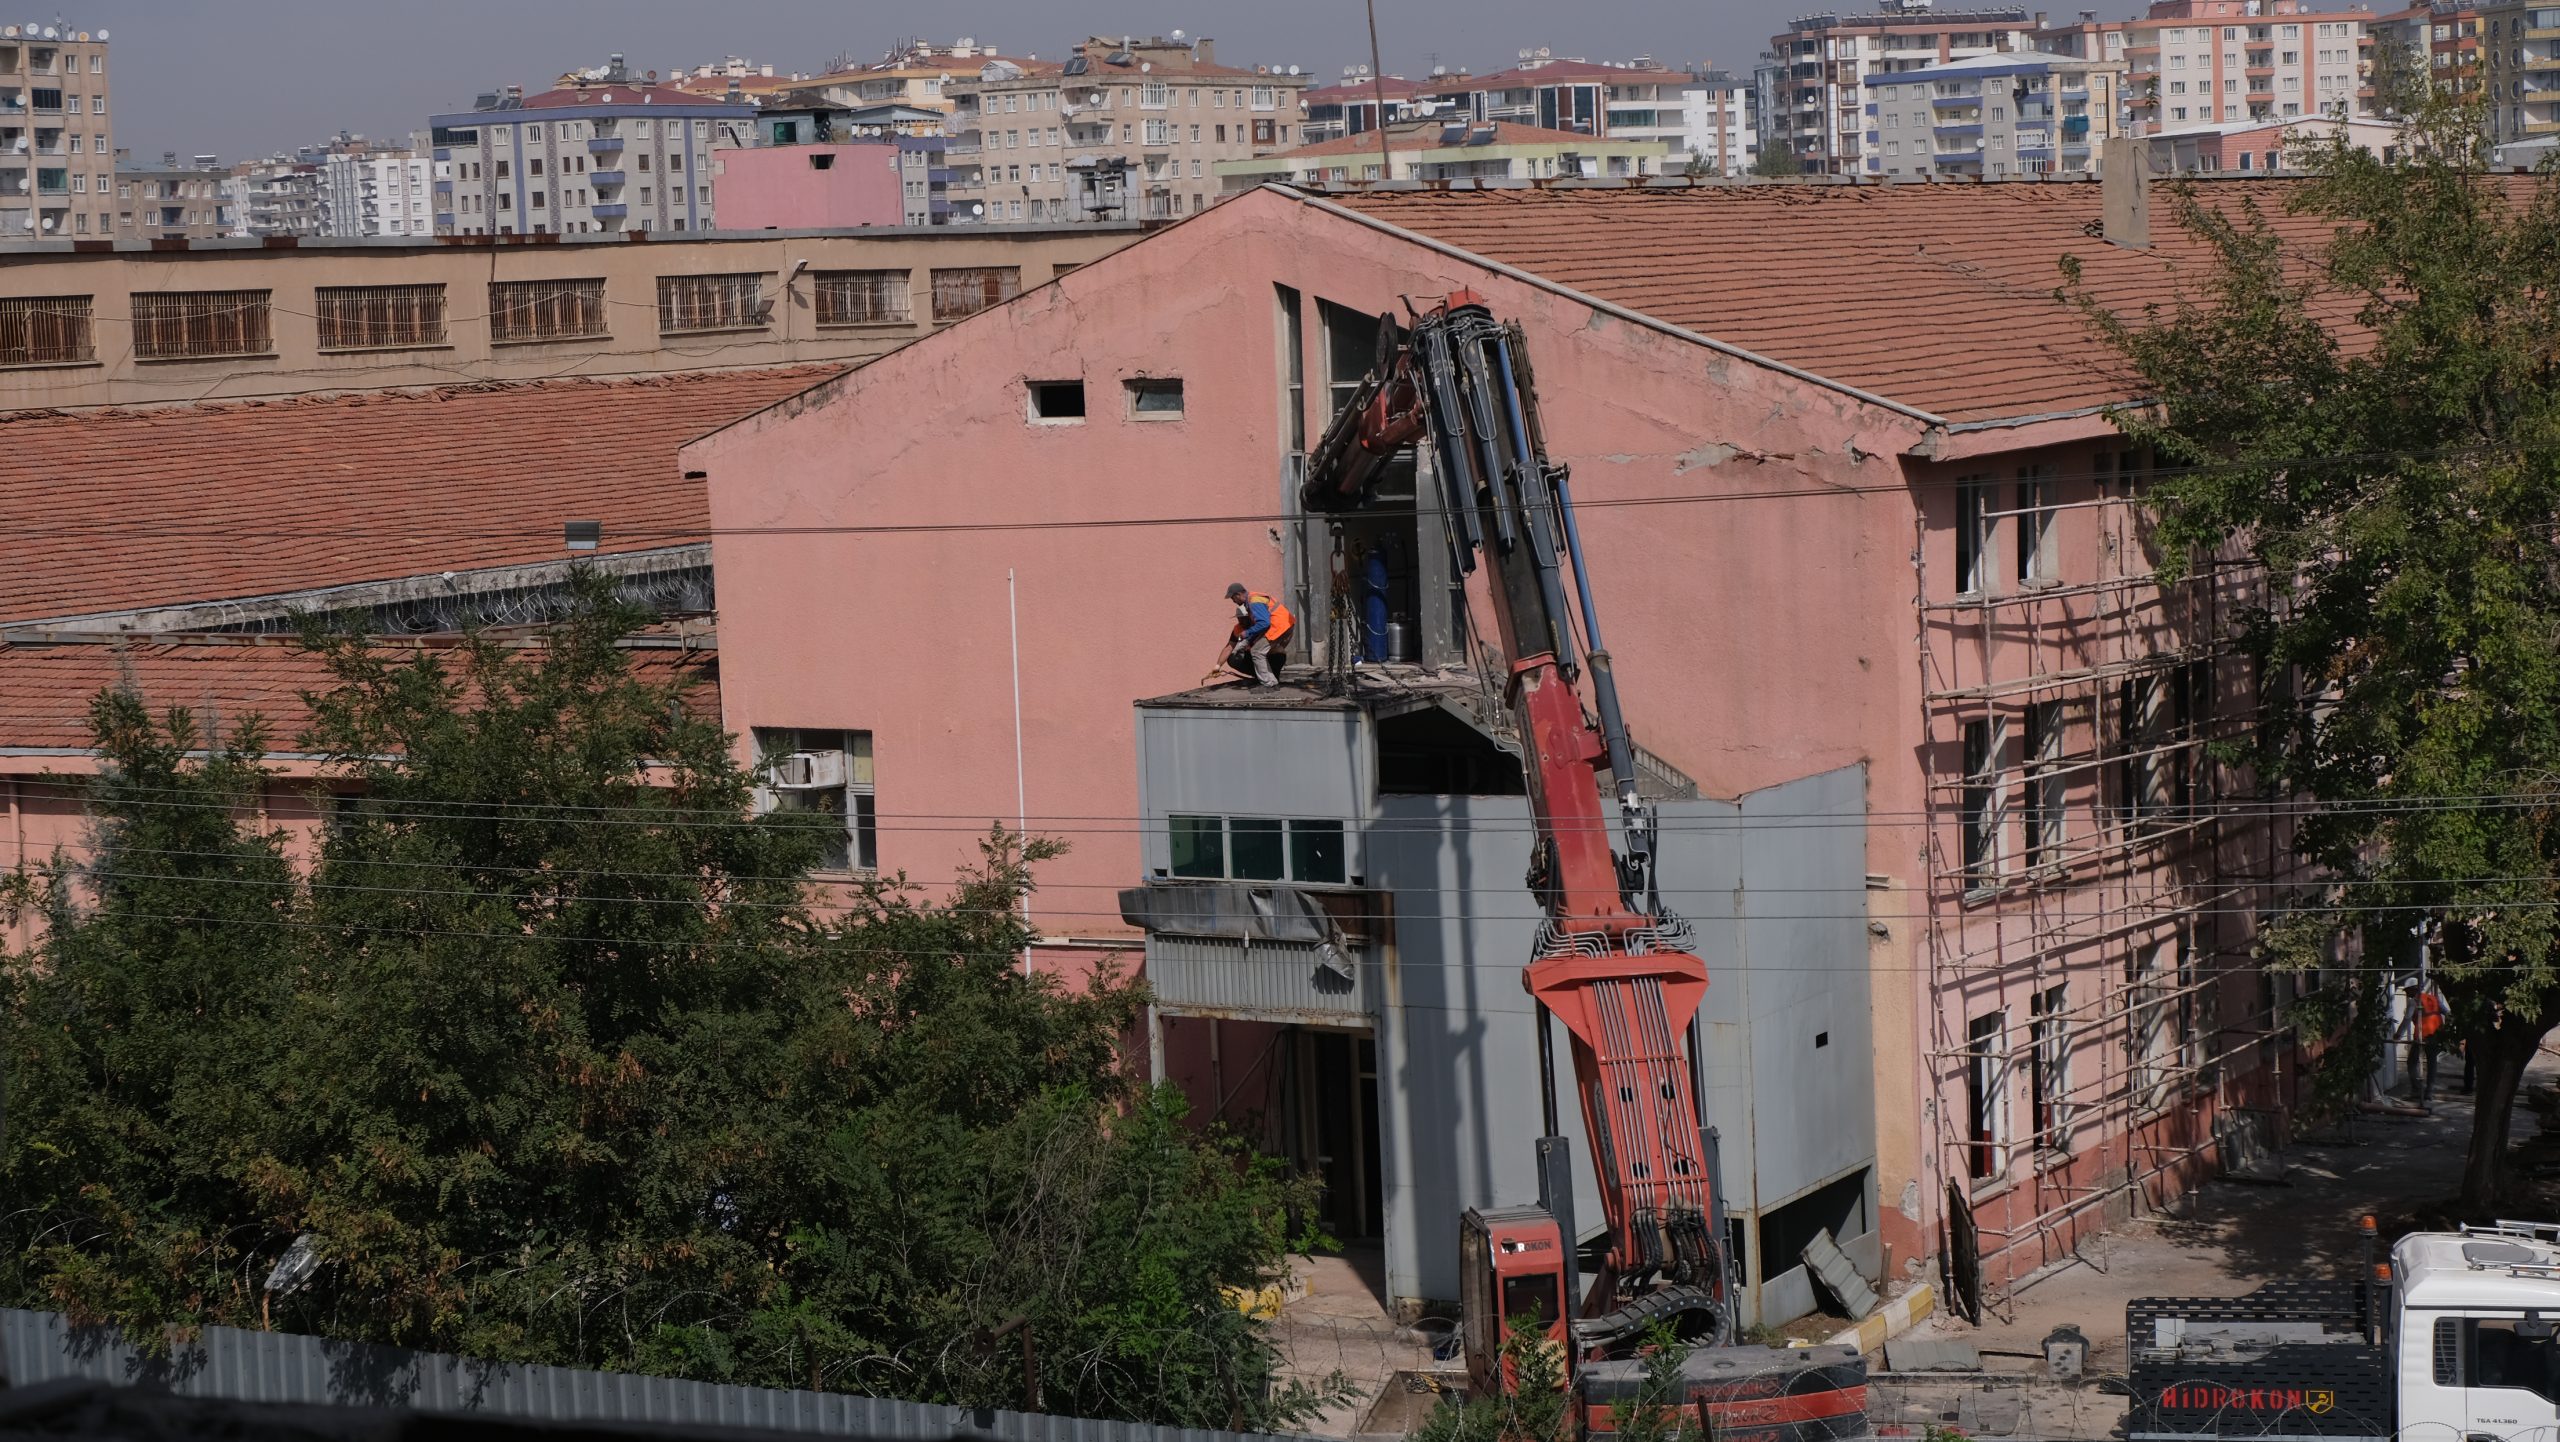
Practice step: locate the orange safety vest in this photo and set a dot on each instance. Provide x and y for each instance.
(2430, 1015)
(1281, 621)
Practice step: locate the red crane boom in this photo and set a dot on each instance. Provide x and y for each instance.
(1610, 962)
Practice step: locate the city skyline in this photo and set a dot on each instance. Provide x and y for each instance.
(384, 80)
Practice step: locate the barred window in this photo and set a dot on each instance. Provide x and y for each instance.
(711, 302)
(964, 291)
(864, 297)
(46, 330)
(190, 324)
(375, 317)
(533, 310)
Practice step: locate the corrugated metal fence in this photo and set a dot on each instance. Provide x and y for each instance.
(277, 1367)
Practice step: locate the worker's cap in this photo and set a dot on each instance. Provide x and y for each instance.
(1237, 592)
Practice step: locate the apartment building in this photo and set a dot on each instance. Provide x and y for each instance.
(596, 157)
(1637, 99)
(386, 192)
(1719, 124)
(1994, 117)
(1120, 130)
(1351, 108)
(2439, 40)
(2520, 71)
(1821, 63)
(138, 324)
(1432, 150)
(2203, 62)
(280, 195)
(57, 138)
(170, 200)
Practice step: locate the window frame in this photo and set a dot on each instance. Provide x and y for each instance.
(424, 304)
(857, 798)
(831, 290)
(714, 304)
(960, 292)
(187, 331)
(21, 348)
(582, 298)
(1137, 390)
(1288, 831)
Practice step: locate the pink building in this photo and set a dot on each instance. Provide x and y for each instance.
(1853, 505)
(824, 187)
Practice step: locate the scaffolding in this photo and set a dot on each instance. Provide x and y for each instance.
(2093, 869)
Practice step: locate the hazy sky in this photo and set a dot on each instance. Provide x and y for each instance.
(243, 77)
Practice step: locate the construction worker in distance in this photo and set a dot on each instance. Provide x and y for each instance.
(1259, 645)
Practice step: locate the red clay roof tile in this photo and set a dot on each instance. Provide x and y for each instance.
(121, 510)
(1940, 297)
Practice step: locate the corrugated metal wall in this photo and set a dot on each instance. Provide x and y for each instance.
(1270, 980)
(284, 1368)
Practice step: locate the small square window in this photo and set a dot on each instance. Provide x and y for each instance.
(1199, 846)
(1057, 400)
(1155, 399)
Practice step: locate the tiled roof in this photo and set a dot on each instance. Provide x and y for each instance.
(120, 510)
(1425, 135)
(45, 690)
(1940, 297)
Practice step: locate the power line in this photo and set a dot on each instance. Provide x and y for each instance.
(124, 529)
(1737, 823)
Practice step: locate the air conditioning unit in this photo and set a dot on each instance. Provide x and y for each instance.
(808, 771)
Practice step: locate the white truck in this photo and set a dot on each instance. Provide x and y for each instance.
(2455, 1339)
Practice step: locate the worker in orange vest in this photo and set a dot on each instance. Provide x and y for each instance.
(1258, 645)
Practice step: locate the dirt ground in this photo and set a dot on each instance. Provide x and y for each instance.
(2221, 1240)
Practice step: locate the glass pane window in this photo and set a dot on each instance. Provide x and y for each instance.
(1199, 846)
(1255, 850)
(1315, 852)
(825, 773)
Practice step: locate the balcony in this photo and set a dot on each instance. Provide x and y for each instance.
(605, 177)
(610, 210)
(605, 145)
(1959, 130)
(1961, 102)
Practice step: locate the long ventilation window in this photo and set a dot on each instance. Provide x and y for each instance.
(863, 297)
(1057, 400)
(47, 330)
(192, 324)
(540, 310)
(379, 317)
(695, 303)
(1257, 848)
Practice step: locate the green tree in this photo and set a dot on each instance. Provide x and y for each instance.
(1776, 160)
(2365, 407)
(550, 1059)
(1533, 1409)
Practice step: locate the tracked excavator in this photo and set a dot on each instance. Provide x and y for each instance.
(1611, 963)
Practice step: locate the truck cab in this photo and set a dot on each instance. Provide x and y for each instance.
(2475, 1332)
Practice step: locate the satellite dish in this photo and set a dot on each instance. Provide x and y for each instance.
(1177, 35)
(50, 33)
(49, 222)
(1146, 67)
(102, 35)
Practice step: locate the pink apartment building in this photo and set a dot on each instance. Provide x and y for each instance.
(1888, 533)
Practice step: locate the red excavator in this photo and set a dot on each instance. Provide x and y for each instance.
(1611, 962)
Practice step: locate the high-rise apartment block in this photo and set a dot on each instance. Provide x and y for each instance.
(1121, 130)
(172, 200)
(2520, 66)
(2207, 62)
(1994, 117)
(57, 147)
(1822, 63)
(2437, 39)
(617, 153)
(379, 192)
(1719, 124)
(279, 195)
